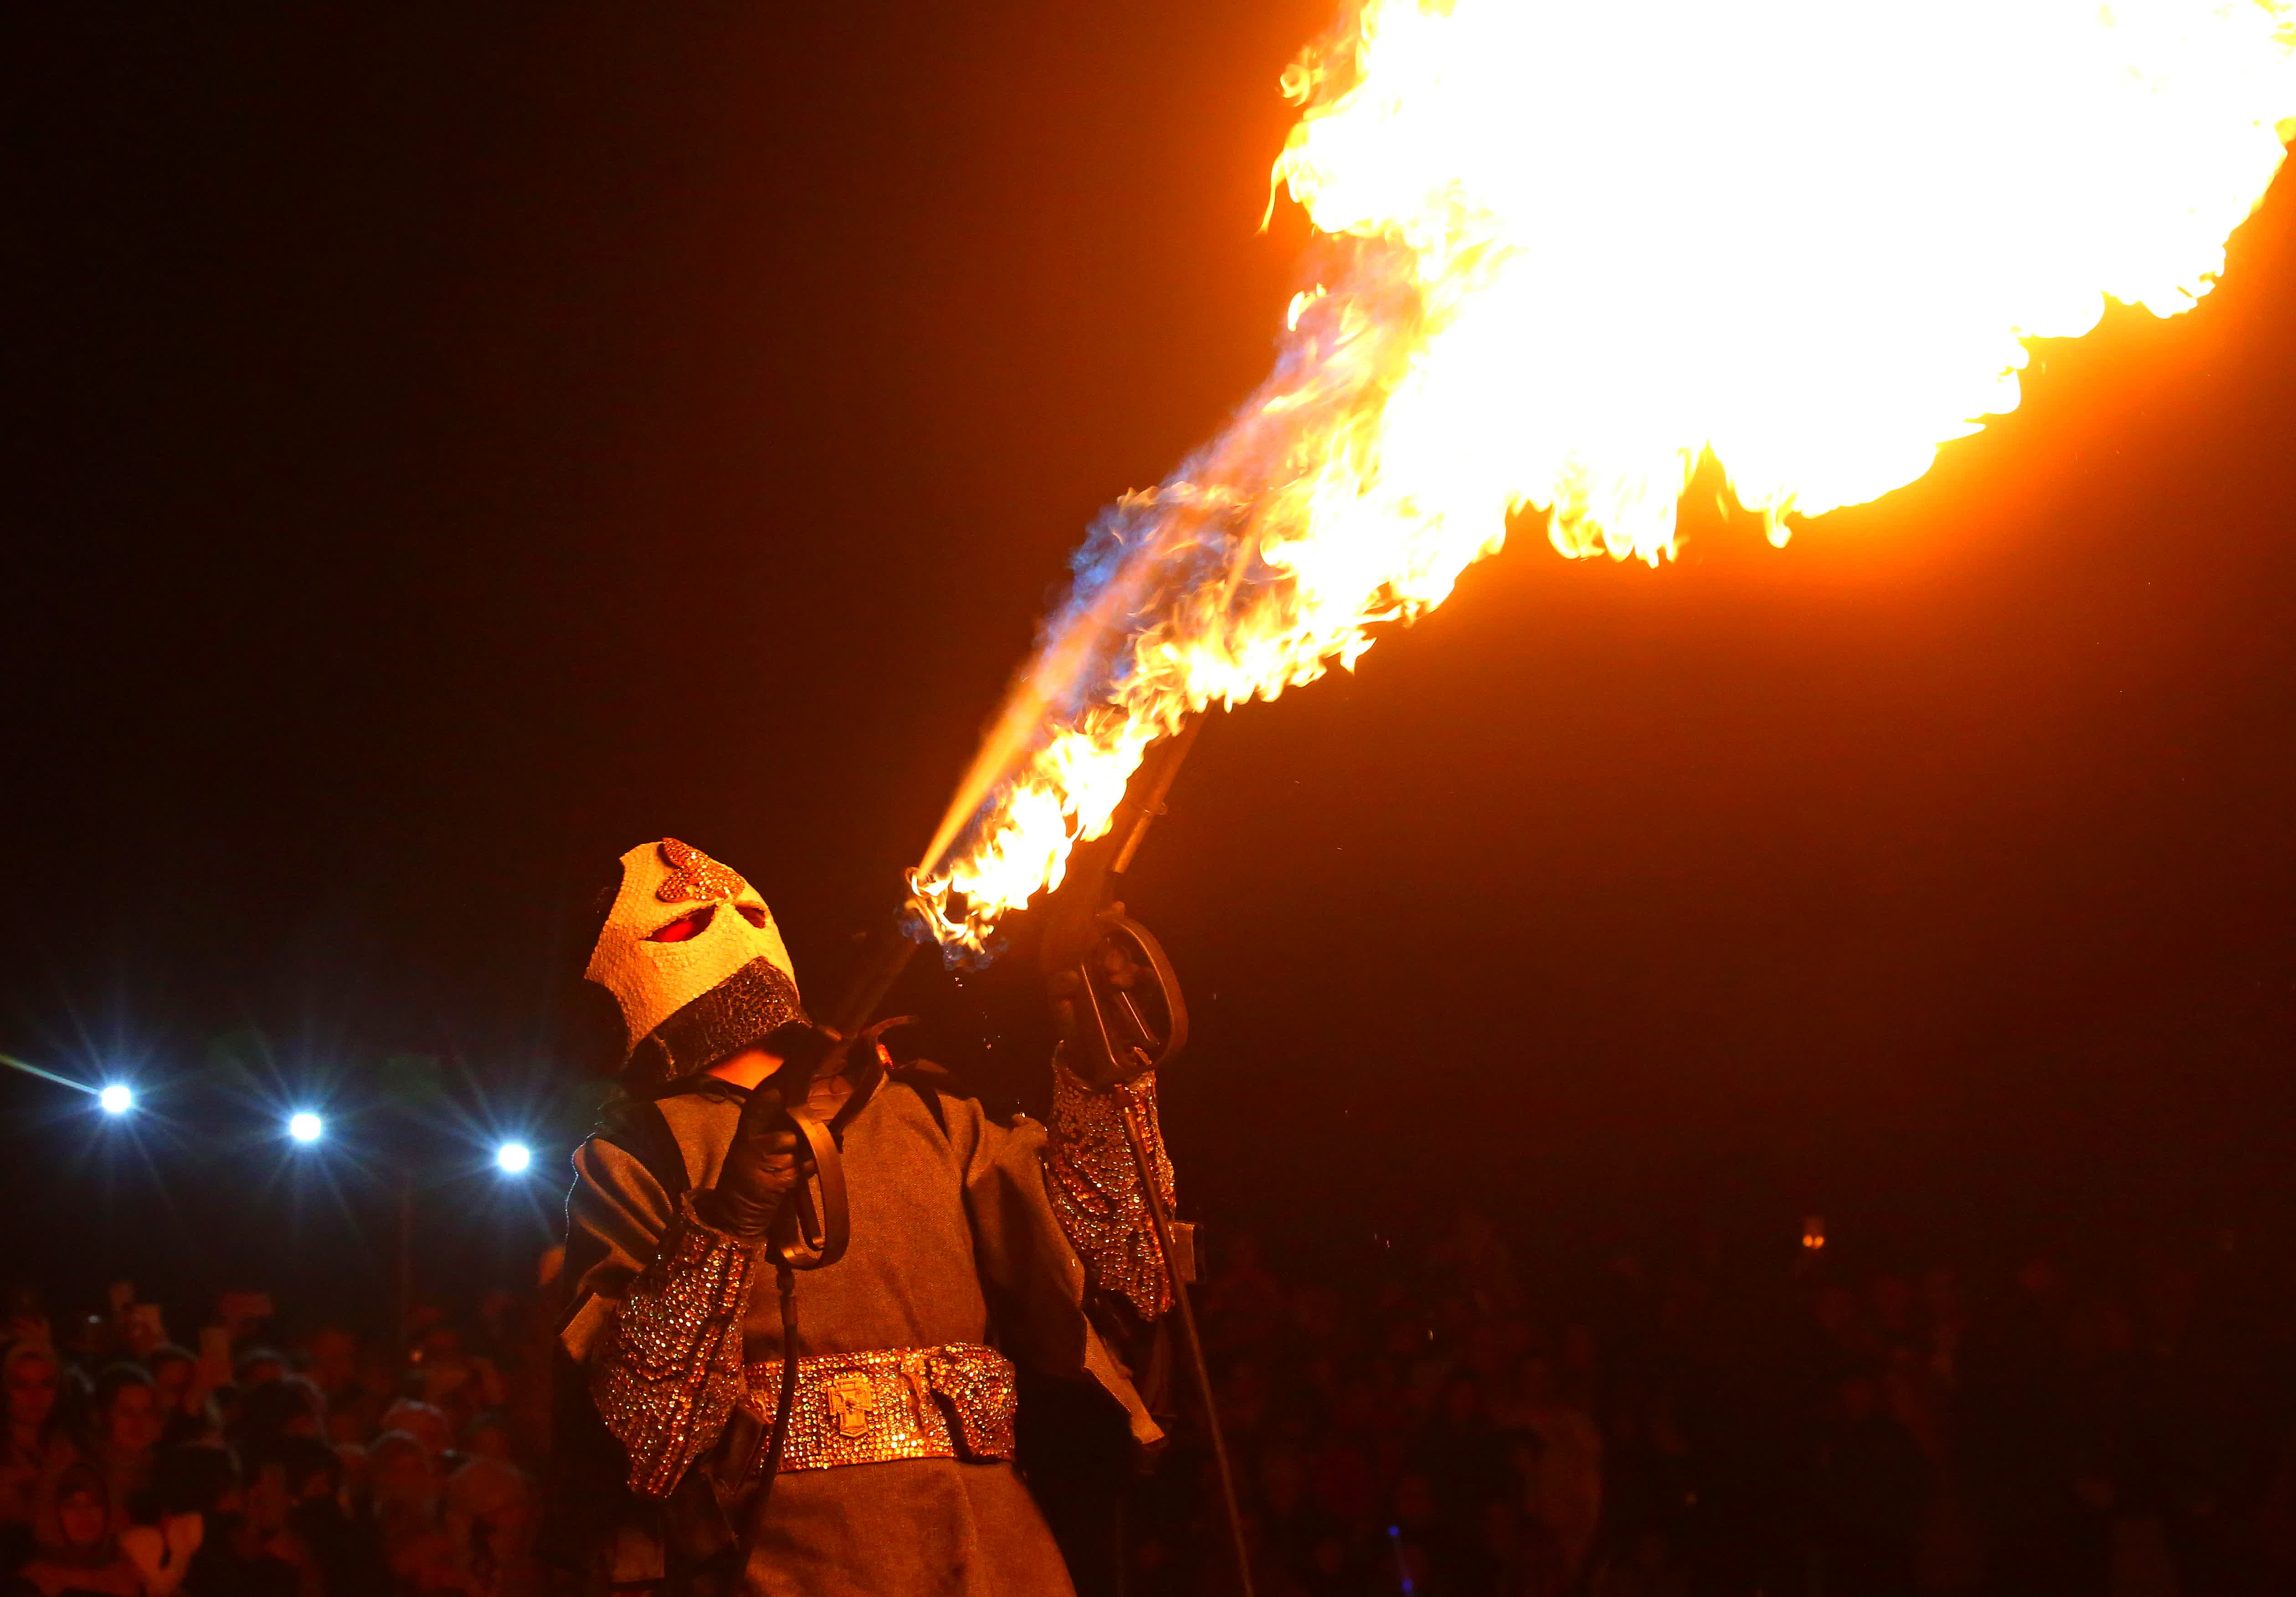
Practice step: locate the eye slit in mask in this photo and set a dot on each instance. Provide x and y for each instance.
(754, 914)
(683, 927)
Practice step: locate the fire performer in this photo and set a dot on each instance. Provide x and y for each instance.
(975, 1245)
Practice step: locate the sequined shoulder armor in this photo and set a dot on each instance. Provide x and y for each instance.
(670, 1370)
(1096, 1187)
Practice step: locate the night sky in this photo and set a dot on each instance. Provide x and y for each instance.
(450, 445)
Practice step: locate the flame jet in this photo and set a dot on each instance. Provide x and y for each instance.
(1574, 246)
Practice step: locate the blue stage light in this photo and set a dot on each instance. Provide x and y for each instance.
(116, 1100)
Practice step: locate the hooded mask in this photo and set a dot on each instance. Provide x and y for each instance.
(691, 957)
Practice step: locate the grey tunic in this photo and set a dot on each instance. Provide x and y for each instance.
(952, 1240)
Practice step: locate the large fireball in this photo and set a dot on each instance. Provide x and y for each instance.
(1578, 244)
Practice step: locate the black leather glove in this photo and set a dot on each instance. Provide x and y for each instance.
(762, 1170)
(765, 1162)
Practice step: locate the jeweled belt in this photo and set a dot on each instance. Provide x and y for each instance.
(865, 1408)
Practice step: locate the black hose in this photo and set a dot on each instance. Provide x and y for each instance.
(785, 1282)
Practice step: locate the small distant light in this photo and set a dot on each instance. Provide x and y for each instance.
(116, 1100)
(513, 1157)
(304, 1127)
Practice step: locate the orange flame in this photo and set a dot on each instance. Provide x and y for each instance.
(1573, 246)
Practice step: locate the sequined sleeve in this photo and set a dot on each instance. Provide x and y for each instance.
(1029, 1263)
(1095, 1188)
(669, 1368)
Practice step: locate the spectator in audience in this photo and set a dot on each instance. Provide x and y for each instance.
(333, 1366)
(407, 1492)
(458, 1383)
(243, 1547)
(1475, 1264)
(269, 1414)
(1563, 1475)
(355, 1410)
(1244, 1300)
(1467, 1466)
(425, 1424)
(342, 1552)
(1301, 1548)
(127, 1431)
(26, 1318)
(37, 1445)
(76, 1520)
(186, 1412)
(1869, 1496)
(257, 1366)
(163, 1550)
(492, 1509)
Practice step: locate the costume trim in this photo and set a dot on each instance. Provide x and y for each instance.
(670, 1373)
(693, 876)
(865, 1408)
(753, 1003)
(1096, 1192)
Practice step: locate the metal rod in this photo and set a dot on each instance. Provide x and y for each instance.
(1151, 801)
(889, 955)
(1162, 1220)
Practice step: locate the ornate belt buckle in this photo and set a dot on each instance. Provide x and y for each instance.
(852, 1402)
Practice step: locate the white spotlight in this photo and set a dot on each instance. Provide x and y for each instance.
(116, 1100)
(304, 1127)
(513, 1157)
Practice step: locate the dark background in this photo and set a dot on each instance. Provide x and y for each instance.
(448, 445)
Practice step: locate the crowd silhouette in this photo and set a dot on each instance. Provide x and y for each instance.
(1787, 1424)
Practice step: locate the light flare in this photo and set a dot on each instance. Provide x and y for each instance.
(1567, 249)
